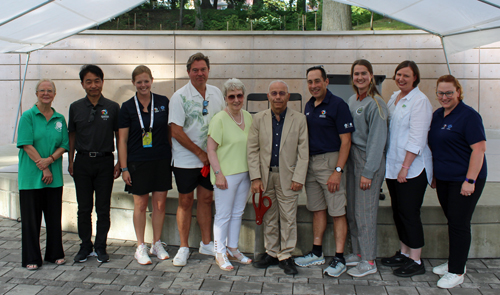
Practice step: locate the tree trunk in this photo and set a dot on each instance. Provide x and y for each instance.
(336, 16)
(198, 19)
(181, 6)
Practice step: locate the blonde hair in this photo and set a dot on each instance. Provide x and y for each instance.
(46, 80)
(141, 70)
(372, 89)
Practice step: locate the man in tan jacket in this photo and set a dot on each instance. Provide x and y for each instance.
(278, 155)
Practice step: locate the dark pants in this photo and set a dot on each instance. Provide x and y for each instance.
(458, 209)
(406, 201)
(33, 203)
(93, 175)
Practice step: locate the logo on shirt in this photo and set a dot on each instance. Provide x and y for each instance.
(404, 106)
(348, 125)
(104, 114)
(323, 114)
(359, 111)
(58, 126)
(160, 109)
(447, 127)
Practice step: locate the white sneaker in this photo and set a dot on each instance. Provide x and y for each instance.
(443, 269)
(207, 249)
(141, 254)
(352, 259)
(158, 250)
(450, 280)
(181, 257)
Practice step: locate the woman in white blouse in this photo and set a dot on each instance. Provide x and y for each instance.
(408, 167)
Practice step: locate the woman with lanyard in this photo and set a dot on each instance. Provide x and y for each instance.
(144, 153)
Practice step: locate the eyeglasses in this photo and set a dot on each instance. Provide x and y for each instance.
(448, 94)
(275, 93)
(232, 96)
(205, 108)
(92, 115)
(48, 91)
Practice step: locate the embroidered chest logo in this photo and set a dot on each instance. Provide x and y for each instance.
(359, 111)
(58, 126)
(404, 106)
(323, 114)
(104, 114)
(447, 127)
(160, 109)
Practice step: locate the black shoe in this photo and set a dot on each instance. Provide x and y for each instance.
(396, 260)
(265, 260)
(82, 254)
(289, 266)
(410, 268)
(102, 256)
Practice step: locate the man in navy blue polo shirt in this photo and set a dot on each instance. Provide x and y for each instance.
(330, 126)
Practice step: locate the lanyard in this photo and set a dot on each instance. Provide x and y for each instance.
(139, 113)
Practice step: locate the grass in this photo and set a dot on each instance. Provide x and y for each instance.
(384, 24)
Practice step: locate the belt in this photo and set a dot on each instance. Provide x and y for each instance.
(274, 169)
(95, 154)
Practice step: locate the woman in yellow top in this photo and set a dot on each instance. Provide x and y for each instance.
(227, 152)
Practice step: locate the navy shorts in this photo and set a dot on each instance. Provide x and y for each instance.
(188, 179)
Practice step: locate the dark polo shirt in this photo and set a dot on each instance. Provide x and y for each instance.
(325, 122)
(97, 135)
(450, 139)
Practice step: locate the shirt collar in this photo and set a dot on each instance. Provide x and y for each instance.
(37, 111)
(326, 100)
(194, 92)
(362, 96)
(99, 102)
(282, 115)
(410, 95)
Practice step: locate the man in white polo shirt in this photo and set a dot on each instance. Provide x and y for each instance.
(190, 111)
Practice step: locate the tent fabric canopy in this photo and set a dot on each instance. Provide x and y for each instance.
(462, 24)
(29, 25)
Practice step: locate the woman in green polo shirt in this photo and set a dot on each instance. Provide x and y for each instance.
(42, 139)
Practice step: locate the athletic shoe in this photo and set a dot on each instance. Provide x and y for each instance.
(442, 269)
(310, 259)
(207, 249)
(158, 250)
(411, 268)
(450, 280)
(352, 259)
(336, 268)
(82, 254)
(397, 260)
(102, 256)
(141, 254)
(181, 257)
(288, 266)
(362, 269)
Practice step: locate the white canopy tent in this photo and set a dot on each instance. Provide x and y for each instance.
(461, 24)
(28, 25)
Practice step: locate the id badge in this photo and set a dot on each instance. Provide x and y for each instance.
(147, 139)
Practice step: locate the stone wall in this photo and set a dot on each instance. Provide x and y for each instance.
(254, 57)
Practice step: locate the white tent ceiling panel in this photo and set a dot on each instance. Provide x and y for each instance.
(29, 28)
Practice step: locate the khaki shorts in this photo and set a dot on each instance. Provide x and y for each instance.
(318, 197)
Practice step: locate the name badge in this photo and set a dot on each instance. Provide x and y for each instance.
(147, 139)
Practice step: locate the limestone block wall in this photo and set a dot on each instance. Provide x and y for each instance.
(255, 57)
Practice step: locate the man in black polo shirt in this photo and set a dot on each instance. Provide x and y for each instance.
(92, 127)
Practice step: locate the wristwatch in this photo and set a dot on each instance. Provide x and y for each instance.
(471, 181)
(339, 170)
(124, 169)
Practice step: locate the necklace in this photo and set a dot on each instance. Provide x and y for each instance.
(241, 122)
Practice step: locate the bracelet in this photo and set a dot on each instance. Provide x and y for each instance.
(405, 166)
(53, 160)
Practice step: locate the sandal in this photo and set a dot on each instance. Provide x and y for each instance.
(31, 267)
(239, 257)
(225, 264)
(60, 261)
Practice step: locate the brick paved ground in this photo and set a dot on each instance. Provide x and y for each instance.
(123, 275)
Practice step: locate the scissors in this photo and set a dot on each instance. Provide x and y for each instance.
(261, 208)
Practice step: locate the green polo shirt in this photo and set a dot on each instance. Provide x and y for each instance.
(46, 137)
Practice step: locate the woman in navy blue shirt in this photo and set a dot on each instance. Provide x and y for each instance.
(458, 143)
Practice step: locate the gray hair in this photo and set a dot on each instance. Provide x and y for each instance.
(232, 84)
(46, 80)
(277, 81)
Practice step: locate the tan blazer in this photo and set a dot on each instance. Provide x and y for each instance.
(294, 149)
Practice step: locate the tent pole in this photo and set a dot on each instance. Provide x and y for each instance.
(21, 96)
(445, 55)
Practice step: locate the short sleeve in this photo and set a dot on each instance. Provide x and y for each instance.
(176, 112)
(124, 117)
(344, 119)
(216, 129)
(474, 129)
(71, 120)
(65, 137)
(25, 131)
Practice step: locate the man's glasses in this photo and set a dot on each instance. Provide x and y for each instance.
(92, 115)
(275, 93)
(448, 94)
(205, 108)
(232, 96)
